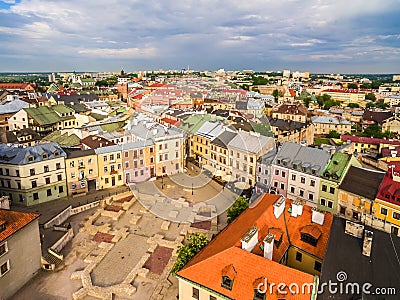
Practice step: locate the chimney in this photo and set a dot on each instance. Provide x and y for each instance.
(250, 239)
(367, 244)
(294, 209)
(279, 206)
(269, 246)
(318, 216)
(299, 208)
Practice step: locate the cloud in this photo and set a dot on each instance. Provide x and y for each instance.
(120, 52)
(202, 33)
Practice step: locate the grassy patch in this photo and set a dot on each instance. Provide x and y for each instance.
(320, 141)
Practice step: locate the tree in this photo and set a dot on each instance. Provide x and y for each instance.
(333, 134)
(353, 105)
(370, 104)
(326, 101)
(275, 93)
(382, 105)
(352, 86)
(307, 101)
(370, 96)
(197, 242)
(263, 129)
(237, 208)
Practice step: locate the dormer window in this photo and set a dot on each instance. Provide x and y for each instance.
(310, 234)
(227, 282)
(30, 158)
(278, 161)
(2, 225)
(258, 295)
(228, 276)
(44, 155)
(56, 153)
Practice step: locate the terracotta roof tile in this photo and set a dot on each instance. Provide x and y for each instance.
(14, 221)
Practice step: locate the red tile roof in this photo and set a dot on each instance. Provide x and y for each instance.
(16, 86)
(170, 121)
(14, 221)
(389, 189)
(225, 249)
(94, 142)
(367, 140)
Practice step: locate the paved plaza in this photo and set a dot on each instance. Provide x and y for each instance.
(121, 250)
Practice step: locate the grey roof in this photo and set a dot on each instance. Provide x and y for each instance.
(210, 130)
(223, 139)
(137, 145)
(344, 254)
(268, 157)
(13, 106)
(330, 120)
(241, 105)
(250, 141)
(302, 158)
(363, 182)
(286, 125)
(19, 156)
(152, 130)
(108, 149)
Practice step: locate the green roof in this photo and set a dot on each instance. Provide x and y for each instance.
(334, 170)
(98, 117)
(193, 123)
(62, 109)
(64, 140)
(46, 115)
(112, 126)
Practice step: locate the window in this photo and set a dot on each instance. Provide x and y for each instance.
(60, 189)
(73, 186)
(47, 180)
(227, 282)
(118, 155)
(312, 182)
(49, 192)
(195, 293)
(90, 171)
(324, 188)
(332, 190)
(105, 168)
(384, 211)
(310, 196)
(299, 256)
(18, 185)
(303, 180)
(292, 189)
(4, 268)
(301, 193)
(160, 157)
(111, 157)
(276, 172)
(317, 266)
(152, 159)
(166, 156)
(58, 166)
(258, 295)
(330, 204)
(32, 172)
(17, 173)
(293, 176)
(59, 177)
(120, 177)
(72, 174)
(283, 174)
(105, 158)
(35, 196)
(89, 161)
(34, 184)
(72, 164)
(282, 186)
(3, 248)
(396, 215)
(213, 298)
(308, 239)
(276, 184)
(106, 180)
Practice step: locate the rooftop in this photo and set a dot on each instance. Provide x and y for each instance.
(363, 182)
(14, 221)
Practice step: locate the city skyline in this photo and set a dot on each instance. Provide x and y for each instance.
(317, 36)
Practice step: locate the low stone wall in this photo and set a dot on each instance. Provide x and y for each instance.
(59, 219)
(60, 244)
(79, 209)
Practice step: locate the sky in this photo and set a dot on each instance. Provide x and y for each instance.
(320, 36)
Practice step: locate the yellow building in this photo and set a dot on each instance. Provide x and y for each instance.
(386, 207)
(34, 174)
(109, 164)
(392, 124)
(346, 96)
(81, 171)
